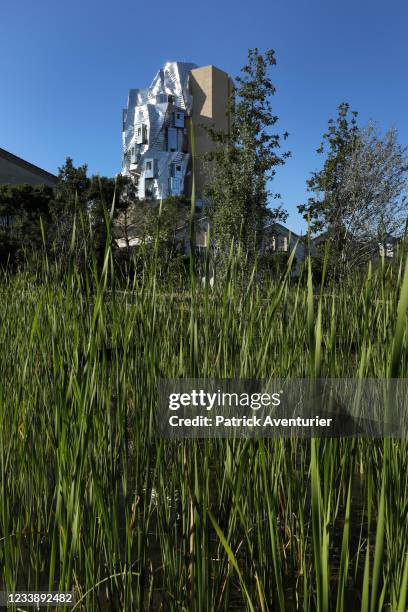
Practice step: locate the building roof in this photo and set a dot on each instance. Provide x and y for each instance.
(22, 163)
(280, 228)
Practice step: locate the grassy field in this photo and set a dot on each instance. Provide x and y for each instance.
(92, 499)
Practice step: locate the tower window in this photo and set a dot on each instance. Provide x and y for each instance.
(150, 168)
(141, 133)
(172, 139)
(178, 119)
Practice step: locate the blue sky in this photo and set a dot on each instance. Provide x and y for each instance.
(66, 68)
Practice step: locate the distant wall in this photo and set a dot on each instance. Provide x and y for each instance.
(14, 170)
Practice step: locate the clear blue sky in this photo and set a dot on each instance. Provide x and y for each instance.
(66, 68)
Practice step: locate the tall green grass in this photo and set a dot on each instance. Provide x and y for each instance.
(92, 499)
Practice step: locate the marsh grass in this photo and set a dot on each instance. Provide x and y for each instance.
(92, 499)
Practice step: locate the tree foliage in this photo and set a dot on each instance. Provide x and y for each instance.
(358, 199)
(22, 207)
(72, 219)
(245, 160)
(157, 230)
(85, 210)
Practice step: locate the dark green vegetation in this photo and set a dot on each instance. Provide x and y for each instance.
(245, 160)
(80, 215)
(92, 499)
(37, 219)
(359, 196)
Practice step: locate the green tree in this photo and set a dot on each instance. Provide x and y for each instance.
(69, 209)
(22, 209)
(325, 209)
(108, 203)
(244, 161)
(159, 231)
(84, 210)
(77, 201)
(358, 197)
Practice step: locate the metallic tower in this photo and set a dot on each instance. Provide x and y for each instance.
(154, 133)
